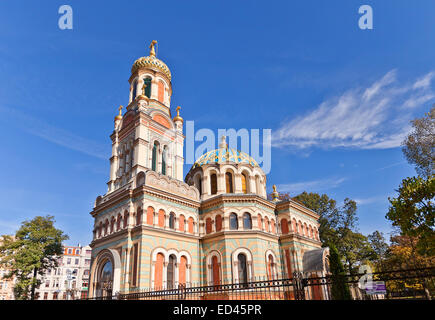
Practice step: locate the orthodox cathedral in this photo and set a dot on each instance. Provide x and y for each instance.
(155, 230)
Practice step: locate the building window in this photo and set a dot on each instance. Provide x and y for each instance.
(47, 283)
(139, 217)
(172, 220)
(164, 159)
(77, 252)
(213, 183)
(171, 271)
(190, 225)
(77, 261)
(68, 261)
(229, 182)
(86, 272)
(69, 251)
(154, 159)
(88, 252)
(244, 181)
(45, 295)
(234, 223)
(158, 271)
(243, 271)
(147, 84)
(87, 262)
(208, 225)
(218, 223)
(160, 91)
(247, 222)
(215, 271)
(133, 95)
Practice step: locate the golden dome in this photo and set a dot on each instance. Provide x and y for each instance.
(151, 62)
(119, 116)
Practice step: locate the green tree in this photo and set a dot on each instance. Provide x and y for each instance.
(413, 211)
(379, 247)
(339, 287)
(327, 209)
(419, 145)
(35, 249)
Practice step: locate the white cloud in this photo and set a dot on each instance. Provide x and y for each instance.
(376, 117)
(312, 186)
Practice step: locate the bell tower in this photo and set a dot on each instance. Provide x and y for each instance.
(146, 137)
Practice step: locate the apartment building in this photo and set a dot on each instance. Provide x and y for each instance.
(70, 280)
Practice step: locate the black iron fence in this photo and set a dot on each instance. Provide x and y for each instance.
(399, 284)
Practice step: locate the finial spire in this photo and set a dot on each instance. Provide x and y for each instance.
(275, 194)
(152, 49)
(223, 143)
(119, 116)
(177, 117)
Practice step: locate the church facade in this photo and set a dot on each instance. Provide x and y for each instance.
(155, 229)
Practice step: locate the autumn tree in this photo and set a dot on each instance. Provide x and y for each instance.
(413, 211)
(34, 250)
(419, 145)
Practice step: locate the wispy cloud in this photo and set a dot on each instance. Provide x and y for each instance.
(55, 135)
(312, 186)
(369, 200)
(376, 117)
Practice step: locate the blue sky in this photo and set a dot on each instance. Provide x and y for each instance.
(338, 99)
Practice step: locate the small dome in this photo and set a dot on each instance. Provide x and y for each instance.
(223, 155)
(151, 62)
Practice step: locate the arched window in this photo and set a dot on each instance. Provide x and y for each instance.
(126, 215)
(242, 268)
(247, 222)
(160, 91)
(229, 182)
(150, 216)
(100, 229)
(260, 222)
(218, 221)
(300, 228)
(106, 227)
(311, 232)
(161, 218)
(266, 224)
(190, 225)
(182, 271)
(215, 271)
(295, 226)
(208, 225)
(234, 223)
(181, 223)
(170, 276)
(147, 83)
(172, 220)
(244, 183)
(213, 183)
(112, 225)
(284, 226)
(118, 222)
(106, 279)
(154, 159)
(133, 95)
(158, 271)
(164, 159)
(272, 226)
(305, 230)
(270, 265)
(139, 216)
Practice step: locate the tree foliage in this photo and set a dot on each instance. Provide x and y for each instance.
(419, 145)
(34, 249)
(413, 211)
(339, 287)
